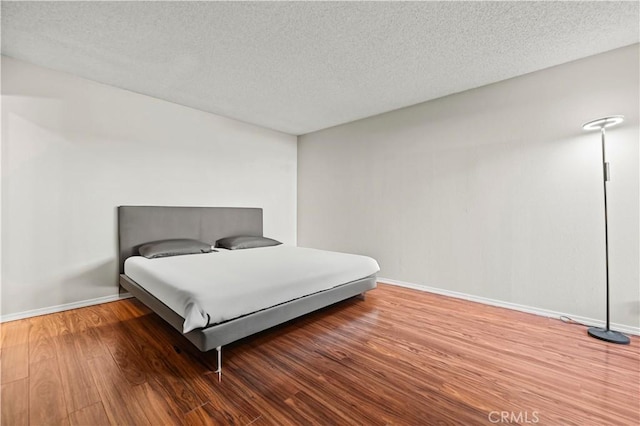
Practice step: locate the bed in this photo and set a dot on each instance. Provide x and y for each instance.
(138, 225)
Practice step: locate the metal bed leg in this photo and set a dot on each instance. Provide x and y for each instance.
(219, 370)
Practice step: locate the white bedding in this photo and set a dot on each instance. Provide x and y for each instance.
(214, 287)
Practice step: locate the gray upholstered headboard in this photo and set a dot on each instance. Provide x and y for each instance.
(138, 225)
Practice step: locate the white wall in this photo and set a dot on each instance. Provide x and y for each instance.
(73, 150)
(494, 192)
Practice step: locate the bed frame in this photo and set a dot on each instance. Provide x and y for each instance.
(138, 225)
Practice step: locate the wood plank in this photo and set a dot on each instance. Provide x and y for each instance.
(268, 392)
(85, 335)
(168, 369)
(57, 324)
(14, 333)
(130, 310)
(209, 415)
(77, 383)
(15, 403)
(15, 363)
(157, 405)
(202, 416)
(388, 401)
(424, 386)
(224, 396)
(99, 316)
(41, 344)
(116, 394)
(113, 336)
(14, 351)
(198, 385)
(46, 401)
(92, 415)
(313, 410)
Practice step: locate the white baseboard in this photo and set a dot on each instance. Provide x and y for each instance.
(522, 308)
(64, 307)
(485, 300)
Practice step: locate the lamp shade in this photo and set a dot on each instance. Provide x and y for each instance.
(603, 122)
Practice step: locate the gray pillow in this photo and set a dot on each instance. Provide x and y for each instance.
(175, 247)
(244, 242)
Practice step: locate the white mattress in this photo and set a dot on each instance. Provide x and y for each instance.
(210, 288)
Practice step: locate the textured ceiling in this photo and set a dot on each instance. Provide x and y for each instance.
(299, 67)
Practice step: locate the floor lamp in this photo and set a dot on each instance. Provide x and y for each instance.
(600, 124)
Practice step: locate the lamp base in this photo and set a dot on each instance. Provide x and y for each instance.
(608, 335)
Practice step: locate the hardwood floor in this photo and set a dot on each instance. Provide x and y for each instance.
(399, 357)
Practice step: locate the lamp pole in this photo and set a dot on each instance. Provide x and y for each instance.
(605, 179)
